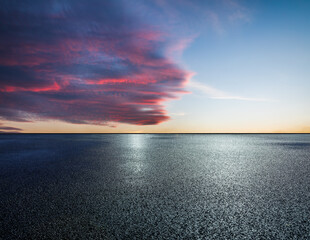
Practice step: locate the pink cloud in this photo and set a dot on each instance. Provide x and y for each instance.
(85, 67)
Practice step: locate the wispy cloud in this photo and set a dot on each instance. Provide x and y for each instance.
(7, 129)
(221, 95)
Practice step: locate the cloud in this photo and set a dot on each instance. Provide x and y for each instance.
(10, 128)
(198, 15)
(84, 62)
(218, 94)
(6, 129)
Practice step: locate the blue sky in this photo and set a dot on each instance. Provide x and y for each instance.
(260, 64)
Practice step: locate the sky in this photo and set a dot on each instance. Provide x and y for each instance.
(161, 66)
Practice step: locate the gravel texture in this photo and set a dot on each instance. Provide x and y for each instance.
(150, 186)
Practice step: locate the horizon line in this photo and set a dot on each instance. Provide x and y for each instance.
(163, 133)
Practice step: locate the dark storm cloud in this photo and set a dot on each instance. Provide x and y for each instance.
(83, 62)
